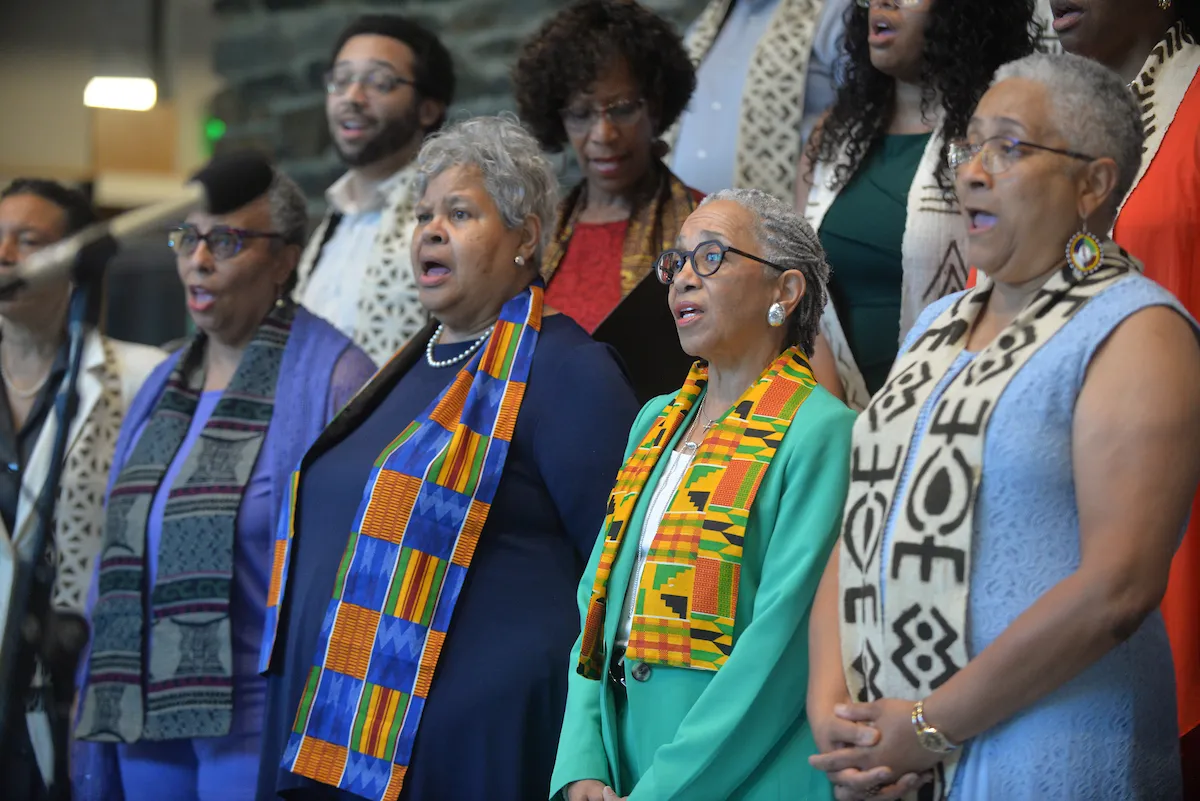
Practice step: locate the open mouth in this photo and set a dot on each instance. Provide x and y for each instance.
(354, 127)
(199, 299)
(608, 165)
(687, 313)
(433, 272)
(1066, 15)
(980, 221)
(880, 31)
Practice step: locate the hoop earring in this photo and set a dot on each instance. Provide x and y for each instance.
(775, 315)
(1083, 253)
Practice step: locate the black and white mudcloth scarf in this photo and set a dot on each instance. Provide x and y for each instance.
(183, 686)
(915, 643)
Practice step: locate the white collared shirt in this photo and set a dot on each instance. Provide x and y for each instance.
(334, 287)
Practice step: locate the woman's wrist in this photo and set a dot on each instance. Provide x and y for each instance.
(939, 712)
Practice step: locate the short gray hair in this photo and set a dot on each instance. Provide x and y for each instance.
(1090, 107)
(516, 174)
(786, 239)
(289, 210)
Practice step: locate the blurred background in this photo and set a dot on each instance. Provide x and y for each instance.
(226, 73)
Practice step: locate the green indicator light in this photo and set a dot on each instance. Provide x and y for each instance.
(214, 129)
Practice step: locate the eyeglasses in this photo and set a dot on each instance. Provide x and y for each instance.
(896, 3)
(706, 259)
(378, 81)
(999, 153)
(223, 242)
(621, 113)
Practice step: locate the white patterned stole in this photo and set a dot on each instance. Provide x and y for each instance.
(389, 313)
(912, 645)
(1159, 89)
(1047, 38)
(933, 255)
(768, 147)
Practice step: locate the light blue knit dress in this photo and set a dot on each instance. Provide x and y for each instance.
(1111, 732)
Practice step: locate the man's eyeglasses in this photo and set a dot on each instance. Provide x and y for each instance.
(223, 242)
(622, 113)
(378, 81)
(707, 258)
(999, 153)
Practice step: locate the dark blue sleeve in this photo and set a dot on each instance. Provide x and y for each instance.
(586, 407)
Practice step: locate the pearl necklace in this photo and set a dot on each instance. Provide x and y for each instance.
(466, 354)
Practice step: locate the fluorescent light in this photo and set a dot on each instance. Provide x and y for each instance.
(131, 94)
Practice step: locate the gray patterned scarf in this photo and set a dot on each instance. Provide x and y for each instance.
(181, 686)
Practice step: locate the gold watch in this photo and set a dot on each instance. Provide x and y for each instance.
(929, 737)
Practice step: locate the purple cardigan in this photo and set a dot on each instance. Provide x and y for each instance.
(321, 370)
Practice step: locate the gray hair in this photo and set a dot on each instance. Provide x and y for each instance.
(289, 210)
(516, 174)
(786, 239)
(1090, 107)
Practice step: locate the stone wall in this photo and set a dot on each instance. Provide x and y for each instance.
(272, 54)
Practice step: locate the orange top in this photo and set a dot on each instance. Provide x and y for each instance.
(1160, 225)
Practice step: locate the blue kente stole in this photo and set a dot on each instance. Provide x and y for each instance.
(426, 503)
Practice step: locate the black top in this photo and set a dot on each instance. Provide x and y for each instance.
(19, 773)
(490, 726)
(17, 446)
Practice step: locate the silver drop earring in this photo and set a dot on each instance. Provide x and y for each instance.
(775, 314)
(519, 261)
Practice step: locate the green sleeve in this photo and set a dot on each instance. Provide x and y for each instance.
(759, 694)
(581, 745)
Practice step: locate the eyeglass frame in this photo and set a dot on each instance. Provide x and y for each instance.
(974, 151)
(595, 114)
(240, 235)
(897, 3)
(722, 248)
(357, 77)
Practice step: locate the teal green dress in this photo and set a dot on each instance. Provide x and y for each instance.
(740, 733)
(862, 234)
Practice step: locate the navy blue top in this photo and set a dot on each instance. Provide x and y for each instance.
(490, 726)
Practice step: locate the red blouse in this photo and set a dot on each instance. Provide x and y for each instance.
(587, 284)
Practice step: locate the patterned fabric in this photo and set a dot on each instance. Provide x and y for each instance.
(187, 689)
(1160, 86)
(773, 101)
(388, 309)
(652, 229)
(918, 641)
(933, 255)
(687, 596)
(404, 566)
(79, 513)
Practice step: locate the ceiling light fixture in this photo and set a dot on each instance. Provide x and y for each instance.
(129, 94)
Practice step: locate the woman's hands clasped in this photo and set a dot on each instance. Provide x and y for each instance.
(871, 751)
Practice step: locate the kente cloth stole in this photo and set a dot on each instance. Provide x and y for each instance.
(914, 644)
(425, 505)
(687, 595)
(188, 687)
(653, 227)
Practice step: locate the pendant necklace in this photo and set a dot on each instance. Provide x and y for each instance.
(690, 446)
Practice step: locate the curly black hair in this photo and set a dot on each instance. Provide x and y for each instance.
(965, 43)
(568, 52)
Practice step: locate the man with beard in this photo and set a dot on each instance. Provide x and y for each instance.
(388, 88)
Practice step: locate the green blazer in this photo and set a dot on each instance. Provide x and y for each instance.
(741, 732)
